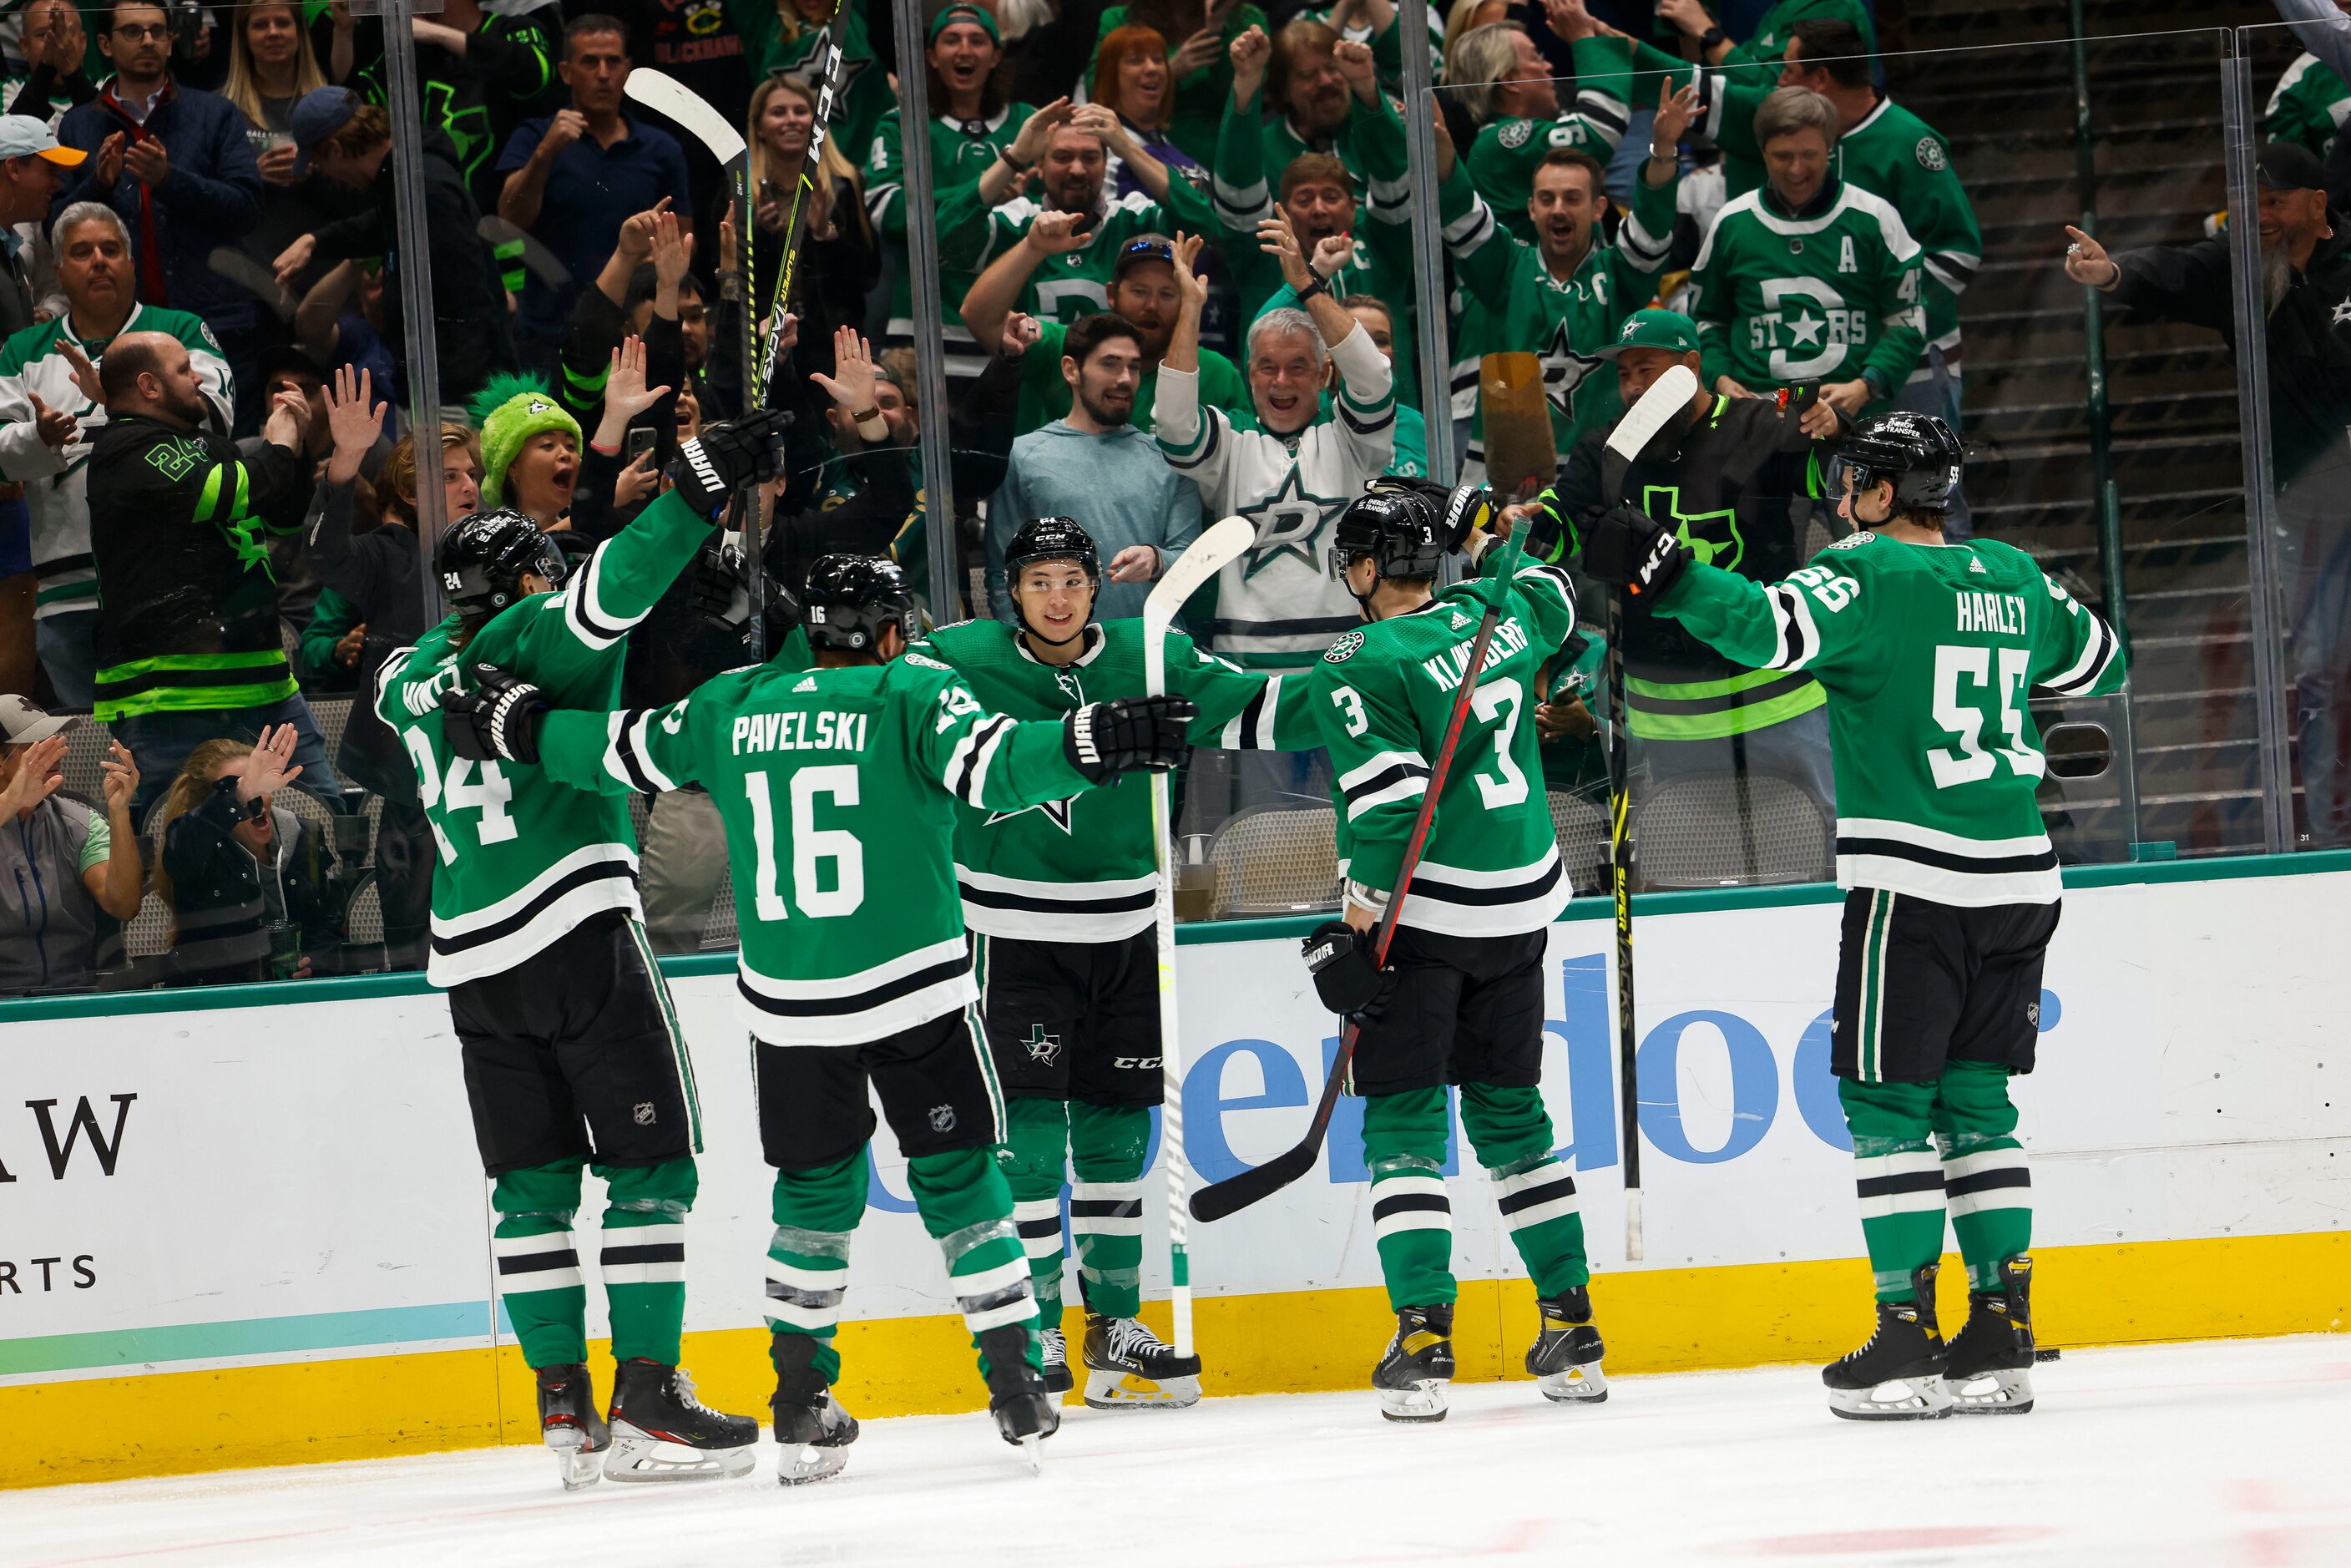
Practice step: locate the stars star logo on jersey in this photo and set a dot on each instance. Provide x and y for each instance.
(1564, 367)
(1287, 522)
(1042, 1048)
(1514, 134)
(1054, 812)
(1930, 153)
(2341, 312)
(1804, 330)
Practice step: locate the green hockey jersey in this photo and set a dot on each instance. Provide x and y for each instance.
(1928, 653)
(524, 858)
(1081, 870)
(838, 787)
(863, 94)
(1502, 160)
(960, 153)
(2308, 106)
(1384, 695)
(1828, 298)
(1073, 283)
(1508, 299)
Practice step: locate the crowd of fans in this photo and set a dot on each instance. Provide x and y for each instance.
(1175, 257)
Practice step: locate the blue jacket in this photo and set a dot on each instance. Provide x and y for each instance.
(212, 197)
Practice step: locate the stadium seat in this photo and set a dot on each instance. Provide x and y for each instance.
(1729, 829)
(1276, 860)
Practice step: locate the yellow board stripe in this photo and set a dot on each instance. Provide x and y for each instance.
(1664, 1320)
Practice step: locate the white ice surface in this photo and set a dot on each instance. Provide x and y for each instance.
(2235, 1452)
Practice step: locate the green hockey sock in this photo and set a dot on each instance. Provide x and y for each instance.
(1512, 1133)
(808, 1257)
(1412, 1219)
(1985, 1179)
(1107, 1144)
(539, 1262)
(1896, 1178)
(1033, 1155)
(643, 1263)
(967, 1209)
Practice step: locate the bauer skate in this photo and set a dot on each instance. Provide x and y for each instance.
(1899, 1375)
(1988, 1368)
(1565, 1357)
(1025, 1415)
(1057, 1361)
(569, 1423)
(1411, 1377)
(1128, 1367)
(812, 1431)
(660, 1432)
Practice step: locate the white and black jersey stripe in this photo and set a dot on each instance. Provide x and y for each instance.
(1242, 207)
(583, 610)
(494, 939)
(908, 990)
(2098, 650)
(549, 1261)
(626, 754)
(1903, 857)
(1456, 902)
(965, 774)
(1387, 776)
(1797, 642)
(644, 1254)
(1041, 911)
(1251, 729)
(1991, 1179)
(1954, 269)
(1402, 1203)
(1606, 115)
(1465, 235)
(1910, 1181)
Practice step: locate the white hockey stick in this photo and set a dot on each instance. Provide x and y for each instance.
(666, 95)
(1207, 556)
(1668, 396)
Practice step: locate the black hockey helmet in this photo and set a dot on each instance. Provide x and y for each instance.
(1400, 528)
(1052, 539)
(1917, 451)
(483, 560)
(851, 598)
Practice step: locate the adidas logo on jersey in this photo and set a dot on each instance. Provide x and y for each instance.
(808, 683)
(1977, 565)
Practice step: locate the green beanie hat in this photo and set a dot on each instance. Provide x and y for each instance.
(511, 410)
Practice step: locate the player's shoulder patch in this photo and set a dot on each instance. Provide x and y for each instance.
(206, 329)
(1853, 541)
(1513, 133)
(925, 662)
(1340, 651)
(1932, 154)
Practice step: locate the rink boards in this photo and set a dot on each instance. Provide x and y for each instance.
(244, 1235)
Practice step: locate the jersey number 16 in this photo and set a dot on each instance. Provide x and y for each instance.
(811, 846)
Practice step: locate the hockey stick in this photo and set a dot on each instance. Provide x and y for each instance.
(1235, 1193)
(1666, 397)
(1207, 556)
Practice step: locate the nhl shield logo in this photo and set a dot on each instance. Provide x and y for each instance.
(943, 1118)
(644, 1114)
(2032, 1013)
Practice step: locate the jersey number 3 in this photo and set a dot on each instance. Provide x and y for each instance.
(811, 846)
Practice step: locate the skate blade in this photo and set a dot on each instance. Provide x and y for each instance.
(2001, 1391)
(1898, 1399)
(1133, 1391)
(797, 1466)
(574, 1461)
(1585, 1384)
(1032, 1452)
(1421, 1402)
(637, 1457)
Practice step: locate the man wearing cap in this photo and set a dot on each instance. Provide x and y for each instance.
(2306, 284)
(972, 126)
(173, 160)
(32, 166)
(349, 141)
(1730, 476)
(51, 411)
(60, 861)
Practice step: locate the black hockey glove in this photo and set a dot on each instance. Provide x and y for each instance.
(1339, 958)
(497, 720)
(727, 456)
(1626, 546)
(1103, 740)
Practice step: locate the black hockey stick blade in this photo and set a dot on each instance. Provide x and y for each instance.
(1235, 1193)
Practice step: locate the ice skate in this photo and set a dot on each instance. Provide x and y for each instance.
(660, 1432)
(812, 1431)
(1411, 1377)
(569, 1423)
(1899, 1375)
(1057, 1362)
(1988, 1368)
(1128, 1367)
(1025, 1415)
(1565, 1357)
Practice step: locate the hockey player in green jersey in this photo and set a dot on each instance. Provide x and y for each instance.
(1060, 897)
(1565, 294)
(1809, 277)
(570, 1049)
(1460, 1001)
(1927, 650)
(838, 785)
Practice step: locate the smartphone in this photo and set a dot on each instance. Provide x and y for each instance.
(639, 442)
(771, 192)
